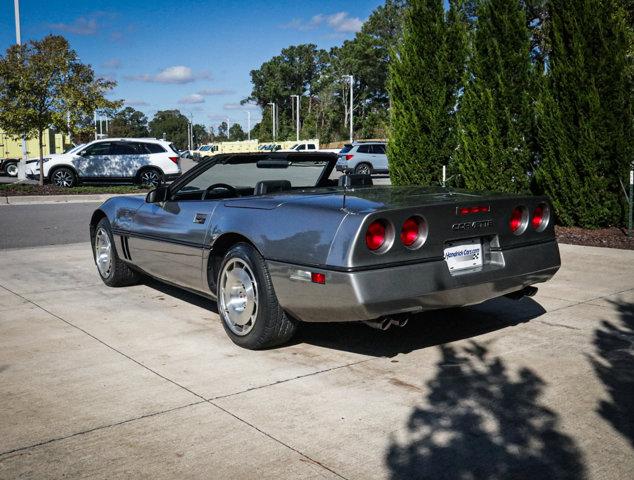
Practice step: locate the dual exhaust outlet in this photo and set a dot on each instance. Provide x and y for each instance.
(386, 323)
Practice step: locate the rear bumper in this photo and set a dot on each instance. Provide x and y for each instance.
(370, 294)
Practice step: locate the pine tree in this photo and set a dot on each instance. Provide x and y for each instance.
(424, 73)
(585, 111)
(495, 116)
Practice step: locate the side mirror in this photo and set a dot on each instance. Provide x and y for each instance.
(83, 153)
(159, 194)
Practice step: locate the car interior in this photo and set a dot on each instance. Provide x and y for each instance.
(229, 178)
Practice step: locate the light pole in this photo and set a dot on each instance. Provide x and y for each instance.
(18, 40)
(350, 78)
(297, 97)
(273, 114)
(248, 124)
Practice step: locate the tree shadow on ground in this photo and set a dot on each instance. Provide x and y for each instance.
(423, 330)
(480, 421)
(614, 365)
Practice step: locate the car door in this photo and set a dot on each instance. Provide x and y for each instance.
(97, 161)
(380, 157)
(169, 238)
(130, 157)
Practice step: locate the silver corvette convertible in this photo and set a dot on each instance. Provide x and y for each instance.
(276, 242)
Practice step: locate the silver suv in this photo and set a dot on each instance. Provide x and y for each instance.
(363, 158)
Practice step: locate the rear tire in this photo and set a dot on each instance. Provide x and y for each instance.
(113, 271)
(247, 304)
(63, 177)
(363, 169)
(11, 169)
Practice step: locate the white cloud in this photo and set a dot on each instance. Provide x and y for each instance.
(216, 91)
(112, 63)
(193, 98)
(177, 74)
(237, 106)
(340, 22)
(79, 26)
(136, 103)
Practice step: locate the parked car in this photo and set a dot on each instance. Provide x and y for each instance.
(303, 147)
(270, 147)
(112, 160)
(363, 158)
(275, 241)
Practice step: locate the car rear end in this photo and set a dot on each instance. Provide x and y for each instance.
(345, 155)
(457, 252)
(167, 160)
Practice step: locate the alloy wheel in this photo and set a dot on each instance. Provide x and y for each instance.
(63, 178)
(363, 169)
(238, 296)
(103, 252)
(150, 177)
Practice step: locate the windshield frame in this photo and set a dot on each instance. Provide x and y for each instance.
(204, 165)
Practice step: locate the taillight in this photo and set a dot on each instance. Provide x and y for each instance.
(349, 157)
(174, 159)
(541, 216)
(519, 220)
(474, 209)
(413, 232)
(376, 235)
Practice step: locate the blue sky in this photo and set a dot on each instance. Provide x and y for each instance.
(191, 55)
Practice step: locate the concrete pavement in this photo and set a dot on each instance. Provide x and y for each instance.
(143, 382)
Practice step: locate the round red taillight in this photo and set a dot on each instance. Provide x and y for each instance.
(519, 219)
(541, 216)
(413, 232)
(376, 235)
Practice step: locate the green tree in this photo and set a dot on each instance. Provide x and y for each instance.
(585, 111)
(223, 132)
(128, 123)
(496, 111)
(173, 125)
(236, 133)
(424, 87)
(44, 85)
(200, 134)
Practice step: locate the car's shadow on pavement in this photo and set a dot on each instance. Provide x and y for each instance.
(423, 330)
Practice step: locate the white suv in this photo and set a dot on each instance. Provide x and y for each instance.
(363, 158)
(113, 160)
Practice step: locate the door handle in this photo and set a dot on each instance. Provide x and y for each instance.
(200, 218)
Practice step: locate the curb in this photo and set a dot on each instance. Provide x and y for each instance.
(55, 199)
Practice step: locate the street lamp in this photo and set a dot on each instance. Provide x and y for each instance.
(273, 114)
(18, 40)
(296, 116)
(248, 124)
(350, 78)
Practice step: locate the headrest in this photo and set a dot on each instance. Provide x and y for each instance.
(271, 186)
(355, 180)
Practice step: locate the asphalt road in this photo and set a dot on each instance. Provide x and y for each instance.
(38, 225)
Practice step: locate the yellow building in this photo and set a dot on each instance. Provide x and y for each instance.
(11, 147)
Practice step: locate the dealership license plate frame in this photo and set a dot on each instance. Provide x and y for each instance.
(469, 261)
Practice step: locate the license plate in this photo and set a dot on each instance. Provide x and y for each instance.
(463, 254)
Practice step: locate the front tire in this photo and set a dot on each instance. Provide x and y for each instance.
(247, 304)
(113, 271)
(63, 177)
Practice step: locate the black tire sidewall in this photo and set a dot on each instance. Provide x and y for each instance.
(267, 301)
(150, 169)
